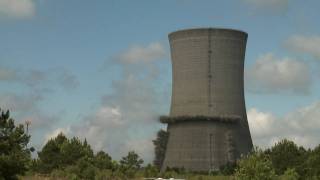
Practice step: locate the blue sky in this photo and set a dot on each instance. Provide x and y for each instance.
(101, 69)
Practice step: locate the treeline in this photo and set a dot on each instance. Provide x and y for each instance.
(285, 160)
(72, 158)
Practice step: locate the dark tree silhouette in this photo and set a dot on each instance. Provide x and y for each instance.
(14, 153)
(160, 145)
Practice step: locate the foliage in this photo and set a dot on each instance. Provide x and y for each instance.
(72, 150)
(170, 174)
(84, 168)
(286, 154)
(150, 171)
(102, 160)
(290, 174)
(228, 169)
(103, 174)
(313, 163)
(255, 166)
(131, 161)
(130, 164)
(14, 153)
(63, 158)
(160, 146)
(61, 152)
(50, 157)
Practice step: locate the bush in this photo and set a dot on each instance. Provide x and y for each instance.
(170, 174)
(286, 154)
(228, 169)
(150, 171)
(130, 164)
(103, 174)
(290, 174)
(102, 160)
(255, 166)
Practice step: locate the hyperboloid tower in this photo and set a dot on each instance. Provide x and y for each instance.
(207, 124)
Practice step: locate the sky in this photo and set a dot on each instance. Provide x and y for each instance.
(101, 70)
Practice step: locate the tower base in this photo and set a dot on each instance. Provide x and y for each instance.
(205, 144)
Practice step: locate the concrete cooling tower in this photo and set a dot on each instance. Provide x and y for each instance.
(207, 124)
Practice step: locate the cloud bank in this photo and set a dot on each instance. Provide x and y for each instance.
(141, 54)
(17, 8)
(305, 44)
(301, 125)
(271, 74)
(127, 118)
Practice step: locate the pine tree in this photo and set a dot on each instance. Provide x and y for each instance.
(14, 153)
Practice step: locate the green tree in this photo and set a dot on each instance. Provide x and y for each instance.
(150, 171)
(72, 150)
(50, 157)
(130, 164)
(286, 154)
(86, 168)
(160, 146)
(14, 153)
(61, 152)
(255, 166)
(132, 160)
(102, 160)
(312, 164)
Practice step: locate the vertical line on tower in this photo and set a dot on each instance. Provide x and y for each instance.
(210, 151)
(209, 71)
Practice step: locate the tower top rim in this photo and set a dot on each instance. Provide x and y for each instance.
(206, 29)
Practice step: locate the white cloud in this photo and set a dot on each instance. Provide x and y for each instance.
(305, 118)
(261, 123)
(142, 147)
(127, 118)
(301, 125)
(55, 133)
(305, 44)
(117, 132)
(272, 74)
(125, 121)
(17, 8)
(140, 54)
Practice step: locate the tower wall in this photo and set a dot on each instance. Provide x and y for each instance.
(207, 67)
(207, 77)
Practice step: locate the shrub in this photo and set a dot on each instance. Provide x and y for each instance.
(255, 166)
(150, 171)
(290, 174)
(286, 154)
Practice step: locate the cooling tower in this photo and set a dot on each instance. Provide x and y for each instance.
(207, 124)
